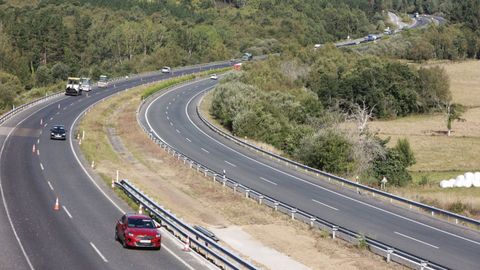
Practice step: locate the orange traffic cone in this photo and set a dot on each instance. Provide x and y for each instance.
(186, 247)
(56, 207)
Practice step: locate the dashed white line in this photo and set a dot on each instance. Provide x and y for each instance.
(204, 150)
(168, 118)
(414, 239)
(268, 181)
(324, 204)
(66, 211)
(50, 185)
(171, 124)
(178, 131)
(167, 107)
(231, 164)
(38, 152)
(38, 141)
(188, 140)
(41, 166)
(45, 124)
(166, 112)
(51, 118)
(98, 252)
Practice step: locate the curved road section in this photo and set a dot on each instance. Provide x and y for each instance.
(35, 170)
(172, 116)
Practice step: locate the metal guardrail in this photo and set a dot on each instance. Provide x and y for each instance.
(199, 242)
(379, 248)
(428, 208)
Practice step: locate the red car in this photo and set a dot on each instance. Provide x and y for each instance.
(134, 230)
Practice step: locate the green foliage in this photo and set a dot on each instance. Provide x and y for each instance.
(165, 84)
(457, 207)
(43, 76)
(362, 242)
(405, 152)
(424, 180)
(10, 86)
(393, 167)
(329, 151)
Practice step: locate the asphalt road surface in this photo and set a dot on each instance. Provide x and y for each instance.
(81, 234)
(173, 117)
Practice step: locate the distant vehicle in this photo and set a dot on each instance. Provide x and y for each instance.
(73, 87)
(206, 232)
(103, 81)
(388, 31)
(247, 57)
(85, 84)
(166, 70)
(371, 37)
(214, 77)
(134, 230)
(416, 15)
(58, 132)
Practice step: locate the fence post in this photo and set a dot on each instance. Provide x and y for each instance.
(293, 211)
(275, 204)
(334, 231)
(247, 191)
(312, 221)
(260, 198)
(389, 254)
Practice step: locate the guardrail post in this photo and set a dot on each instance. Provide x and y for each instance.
(224, 183)
(235, 188)
(433, 213)
(389, 254)
(275, 204)
(423, 265)
(334, 231)
(247, 191)
(198, 167)
(206, 172)
(312, 221)
(191, 164)
(293, 211)
(214, 177)
(260, 198)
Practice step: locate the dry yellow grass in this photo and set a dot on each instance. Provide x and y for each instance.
(440, 156)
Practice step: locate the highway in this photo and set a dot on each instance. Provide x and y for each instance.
(172, 116)
(81, 234)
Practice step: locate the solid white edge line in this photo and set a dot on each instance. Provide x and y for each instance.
(268, 181)
(231, 164)
(414, 239)
(324, 204)
(66, 211)
(50, 185)
(5, 206)
(178, 258)
(318, 186)
(98, 252)
(80, 163)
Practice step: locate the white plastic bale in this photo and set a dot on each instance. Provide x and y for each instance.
(444, 184)
(460, 181)
(469, 177)
(452, 183)
(476, 179)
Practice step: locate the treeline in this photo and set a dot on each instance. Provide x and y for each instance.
(318, 113)
(43, 42)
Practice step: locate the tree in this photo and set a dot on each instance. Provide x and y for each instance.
(453, 113)
(60, 71)
(43, 76)
(10, 86)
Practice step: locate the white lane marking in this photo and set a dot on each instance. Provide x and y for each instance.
(57, 113)
(167, 107)
(5, 206)
(80, 163)
(414, 239)
(166, 112)
(171, 124)
(51, 118)
(38, 141)
(168, 118)
(268, 181)
(188, 139)
(71, 104)
(45, 124)
(231, 164)
(66, 211)
(324, 204)
(169, 103)
(178, 258)
(178, 131)
(312, 184)
(50, 185)
(204, 150)
(98, 252)
(41, 166)
(38, 152)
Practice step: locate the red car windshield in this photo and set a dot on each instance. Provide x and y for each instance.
(140, 223)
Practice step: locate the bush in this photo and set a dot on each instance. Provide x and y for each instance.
(43, 76)
(60, 71)
(424, 180)
(457, 207)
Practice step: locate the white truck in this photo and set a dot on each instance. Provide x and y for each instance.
(85, 84)
(103, 81)
(73, 87)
